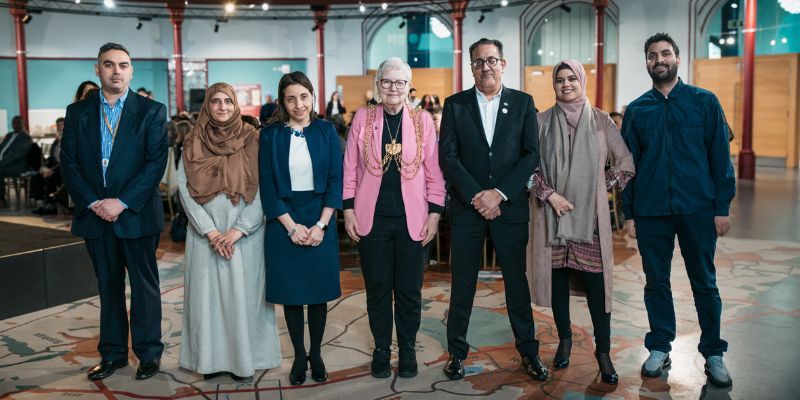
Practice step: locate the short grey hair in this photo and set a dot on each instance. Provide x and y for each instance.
(392, 64)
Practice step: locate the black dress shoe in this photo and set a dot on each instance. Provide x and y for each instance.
(607, 372)
(562, 354)
(407, 366)
(147, 369)
(211, 375)
(454, 369)
(318, 371)
(105, 369)
(534, 367)
(297, 376)
(380, 367)
(238, 378)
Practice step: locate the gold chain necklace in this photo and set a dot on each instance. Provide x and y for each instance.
(377, 168)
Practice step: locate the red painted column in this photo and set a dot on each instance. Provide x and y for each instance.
(600, 17)
(747, 158)
(18, 11)
(320, 18)
(176, 17)
(458, 12)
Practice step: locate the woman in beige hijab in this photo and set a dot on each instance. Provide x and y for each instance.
(570, 250)
(228, 327)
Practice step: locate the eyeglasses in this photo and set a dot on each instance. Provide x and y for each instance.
(478, 62)
(386, 84)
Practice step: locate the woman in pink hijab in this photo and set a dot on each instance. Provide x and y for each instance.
(571, 247)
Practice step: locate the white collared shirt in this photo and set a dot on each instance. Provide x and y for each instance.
(488, 110)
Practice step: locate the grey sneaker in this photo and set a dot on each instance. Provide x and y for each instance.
(716, 371)
(657, 361)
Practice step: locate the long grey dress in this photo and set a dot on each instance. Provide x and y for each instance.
(227, 324)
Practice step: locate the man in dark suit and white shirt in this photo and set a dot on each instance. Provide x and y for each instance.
(14, 151)
(488, 150)
(113, 155)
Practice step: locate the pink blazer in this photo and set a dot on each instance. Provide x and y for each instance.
(426, 186)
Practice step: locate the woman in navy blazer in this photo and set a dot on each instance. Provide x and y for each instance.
(300, 167)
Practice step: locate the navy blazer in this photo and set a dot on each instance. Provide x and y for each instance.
(273, 160)
(137, 164)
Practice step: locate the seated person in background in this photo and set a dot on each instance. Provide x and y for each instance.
(267, 109)
(617, 118)
(47, 181)
(14, 151)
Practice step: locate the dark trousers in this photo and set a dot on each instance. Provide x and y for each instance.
(111, 256)
(42, 187)
(697, 238)
(392, 265)
(509, 243)
(595, 296)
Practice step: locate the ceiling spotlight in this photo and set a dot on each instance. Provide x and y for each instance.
(230, 7)
(734, 5)
(731, 40)
(565, 7)
(265, 6)
(482, 17)
(503, 3)
(362, 8)
(77, 1)
(27, 18)
(139, 26)
(384, 6)
(540, 52)
(216, 28)
(772, 42)
(721, 41)
(251, 6)
(784, 40)
(402, 25)
(108, 3)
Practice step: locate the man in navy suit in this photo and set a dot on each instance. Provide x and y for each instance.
(113, 155)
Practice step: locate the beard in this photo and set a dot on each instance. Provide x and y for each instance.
(663, 77)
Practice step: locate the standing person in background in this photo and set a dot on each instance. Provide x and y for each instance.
(393, 200)
(413, 101)
(684, 187)
(266, 110)
(84, 89)
(228, 326)
(489, 147)
(118, 207)
(334, 107)
(48, 179)
(300, 170)
(571, 247)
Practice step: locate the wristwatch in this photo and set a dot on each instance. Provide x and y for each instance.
(321, 225)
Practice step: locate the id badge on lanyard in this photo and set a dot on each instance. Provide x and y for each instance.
(113, 134)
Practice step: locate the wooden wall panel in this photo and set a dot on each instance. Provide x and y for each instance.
(775, 104)
(539, 84)
(353, 90)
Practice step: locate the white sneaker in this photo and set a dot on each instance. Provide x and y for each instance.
(657, 361)
(716, 371)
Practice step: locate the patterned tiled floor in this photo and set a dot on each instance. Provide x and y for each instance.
(44, 355)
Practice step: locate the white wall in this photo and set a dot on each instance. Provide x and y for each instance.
(55, 35)
(501, 24)
(640, 19)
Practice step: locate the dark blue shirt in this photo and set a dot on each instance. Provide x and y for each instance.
(680, 148)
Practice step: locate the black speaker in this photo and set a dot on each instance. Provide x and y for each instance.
(196, 98)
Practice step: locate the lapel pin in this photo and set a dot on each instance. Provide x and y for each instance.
(505, 111)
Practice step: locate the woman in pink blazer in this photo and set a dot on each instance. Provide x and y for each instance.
(393, 199)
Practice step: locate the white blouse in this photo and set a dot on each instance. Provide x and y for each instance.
(300, 169)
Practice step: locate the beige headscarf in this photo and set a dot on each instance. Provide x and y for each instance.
(221, 157)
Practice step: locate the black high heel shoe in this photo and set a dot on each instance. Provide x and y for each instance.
(297, 376)
(562, 354)
(607, 372)
(318, 371)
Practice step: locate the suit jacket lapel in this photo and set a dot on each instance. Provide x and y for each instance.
(281, 163)
(505, 104)
(409, 135)
(91, 123)
(475, 112)
(377, 134)
(314, 142)
(127, 126)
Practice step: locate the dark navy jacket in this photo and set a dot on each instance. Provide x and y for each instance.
(680, 148)
(137, 164)
(273, 162)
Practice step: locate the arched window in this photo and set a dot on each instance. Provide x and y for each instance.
(777, 24)
(423, 41)
(570, 34)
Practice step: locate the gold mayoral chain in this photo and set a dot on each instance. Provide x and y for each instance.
(378, 166)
